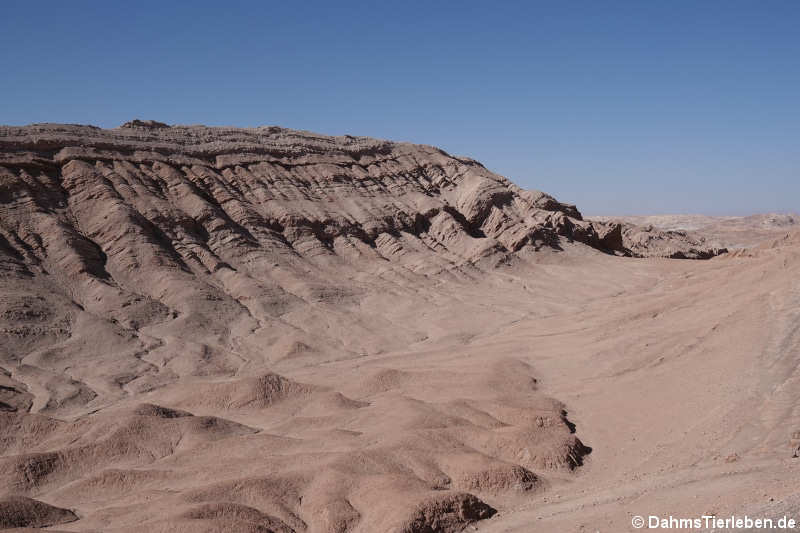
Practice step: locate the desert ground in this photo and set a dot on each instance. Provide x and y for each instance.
(208, 329)
(724, 231)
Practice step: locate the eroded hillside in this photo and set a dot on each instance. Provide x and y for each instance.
(214, 329)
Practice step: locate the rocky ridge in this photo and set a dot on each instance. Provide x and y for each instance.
(275, 184)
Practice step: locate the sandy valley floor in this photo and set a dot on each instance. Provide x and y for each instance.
(684, 381)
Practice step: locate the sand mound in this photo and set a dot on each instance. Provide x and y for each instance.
(384, 380)
(508, 373)
(327, 402)
(248, 393)
(149, 409)
(26, 472)
(114, 483)
(288, 349)
(448, 513)
(278, 496)
(20, 432)
(112, 440)
(497, 479)
(26, 512)
(234, 517)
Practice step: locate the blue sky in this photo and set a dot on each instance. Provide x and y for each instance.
(620, 107)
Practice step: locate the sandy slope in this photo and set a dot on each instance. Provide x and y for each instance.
(687, 390)
(194, 340)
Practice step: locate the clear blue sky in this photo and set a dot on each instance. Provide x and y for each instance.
(620, 107)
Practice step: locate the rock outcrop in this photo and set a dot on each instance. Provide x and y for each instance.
(648, 241)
